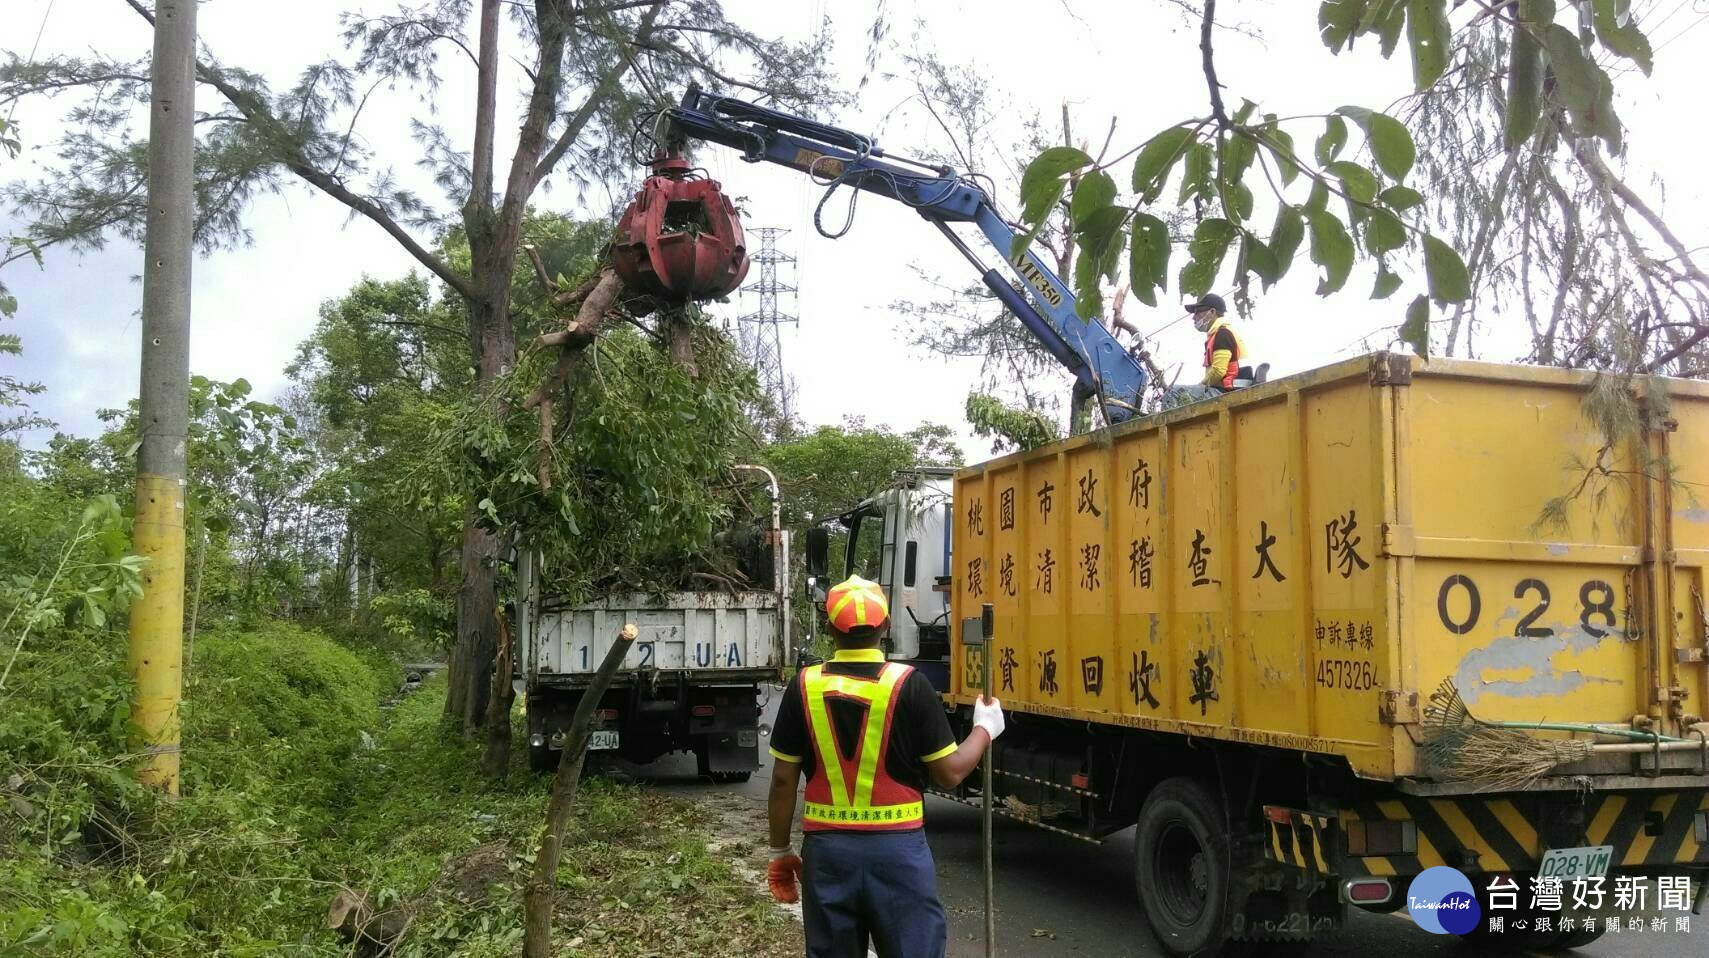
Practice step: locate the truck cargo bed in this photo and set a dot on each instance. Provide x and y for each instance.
(1301, 563)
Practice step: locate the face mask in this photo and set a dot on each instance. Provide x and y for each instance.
(1203, 319)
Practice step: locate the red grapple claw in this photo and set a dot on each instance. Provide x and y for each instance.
(681, 238)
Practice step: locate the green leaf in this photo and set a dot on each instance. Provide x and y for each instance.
(1157, 159)
(1260, 259)
(1197, 180)
(1281, 147)
(1391, 144)
(1205, 255)
(1247, 108)
(1088, 293)
(1148, 259)
(1095, 192)
(1386, 284)
(1583, 87)
(1445, 272)
(1384, 232)
(1525, 74)
(1043, 179)
(1042, 187)
(1618, 31)
(1389, 18)
(1285, 238)
(240, 387)
(1427, 33)
(1415, 332)
(1332, 249)
(1337, 20)
(1100, 255)
(1400, 197)
(1333, 139)
(1319, 196)
(1238, 153)
(1356, 181)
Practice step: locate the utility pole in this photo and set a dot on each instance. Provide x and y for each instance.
(157, 619)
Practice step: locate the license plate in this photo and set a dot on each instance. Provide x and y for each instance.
(1569, 863)
(602, 739)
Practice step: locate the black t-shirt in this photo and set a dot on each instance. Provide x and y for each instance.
(919, 729)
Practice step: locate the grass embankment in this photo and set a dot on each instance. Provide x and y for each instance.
(286, 801)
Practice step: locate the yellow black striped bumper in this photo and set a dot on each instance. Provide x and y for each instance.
(1301, 839)
(1510, 833)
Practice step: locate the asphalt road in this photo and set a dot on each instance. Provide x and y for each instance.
(1057, 896)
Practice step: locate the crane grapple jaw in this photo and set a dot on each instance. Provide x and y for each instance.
(681, 238)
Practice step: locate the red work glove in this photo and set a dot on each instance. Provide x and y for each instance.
(783, 874)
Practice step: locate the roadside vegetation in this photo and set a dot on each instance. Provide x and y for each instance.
(304, 783)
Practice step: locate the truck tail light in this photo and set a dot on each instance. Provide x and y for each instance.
(607, 714)
(1368, 891)
(702, 711)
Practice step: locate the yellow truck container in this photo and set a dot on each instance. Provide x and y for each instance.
(1284, 576)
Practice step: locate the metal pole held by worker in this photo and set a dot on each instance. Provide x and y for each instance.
(157, 619)
(986, 621)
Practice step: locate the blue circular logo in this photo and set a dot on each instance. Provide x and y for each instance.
(1442, 902)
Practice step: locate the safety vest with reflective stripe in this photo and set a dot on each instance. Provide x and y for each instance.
(1233, 371)
(855, 793)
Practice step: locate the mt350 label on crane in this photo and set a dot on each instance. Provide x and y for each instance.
(1036, 279)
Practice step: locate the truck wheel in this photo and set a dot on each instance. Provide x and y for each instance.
(1183, 866)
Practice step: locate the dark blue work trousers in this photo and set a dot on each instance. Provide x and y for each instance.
(871, 887)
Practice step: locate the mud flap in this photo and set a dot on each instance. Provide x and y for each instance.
(1290, 892)
(735, 751)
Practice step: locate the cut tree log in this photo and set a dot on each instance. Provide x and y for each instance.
(351, 915)
(537, 894)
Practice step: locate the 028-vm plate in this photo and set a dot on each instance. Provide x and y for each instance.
(1590, 861)
(602, 739)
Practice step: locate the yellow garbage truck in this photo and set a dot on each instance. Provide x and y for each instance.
(1321, 634)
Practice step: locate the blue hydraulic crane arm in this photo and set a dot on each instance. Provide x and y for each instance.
(1101, 367)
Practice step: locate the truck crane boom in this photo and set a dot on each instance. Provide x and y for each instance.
(1102, 368)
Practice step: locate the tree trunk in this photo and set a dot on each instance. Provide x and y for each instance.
(477, 641)
(493, 338)
(496, 761)
(537, 894)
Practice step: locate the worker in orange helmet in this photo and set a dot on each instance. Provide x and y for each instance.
(868, 734)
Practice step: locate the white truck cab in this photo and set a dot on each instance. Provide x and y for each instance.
(900, 539)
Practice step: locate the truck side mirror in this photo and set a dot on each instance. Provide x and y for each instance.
(818, 551)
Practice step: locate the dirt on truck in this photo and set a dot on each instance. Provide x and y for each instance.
(1321, 634)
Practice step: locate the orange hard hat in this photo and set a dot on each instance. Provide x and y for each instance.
(856, 602)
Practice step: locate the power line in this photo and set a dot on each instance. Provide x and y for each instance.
(13, 110)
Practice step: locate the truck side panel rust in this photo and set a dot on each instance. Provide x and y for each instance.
(1301, 563)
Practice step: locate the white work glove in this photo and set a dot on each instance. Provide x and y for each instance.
(988, 715)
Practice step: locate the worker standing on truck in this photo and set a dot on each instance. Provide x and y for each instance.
(1223, 353)
(868, 733)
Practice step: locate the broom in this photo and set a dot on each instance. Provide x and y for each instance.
(1498, 756)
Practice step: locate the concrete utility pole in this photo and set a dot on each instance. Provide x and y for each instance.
(157, 620)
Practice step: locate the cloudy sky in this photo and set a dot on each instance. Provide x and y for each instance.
(851, 354)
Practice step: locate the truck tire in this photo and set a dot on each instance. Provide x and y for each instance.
(1183, 866)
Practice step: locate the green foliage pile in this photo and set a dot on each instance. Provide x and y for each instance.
(639, 465)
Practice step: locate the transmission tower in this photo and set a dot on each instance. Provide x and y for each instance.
(758, 330)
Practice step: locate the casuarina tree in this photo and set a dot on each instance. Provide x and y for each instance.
(582, 73)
